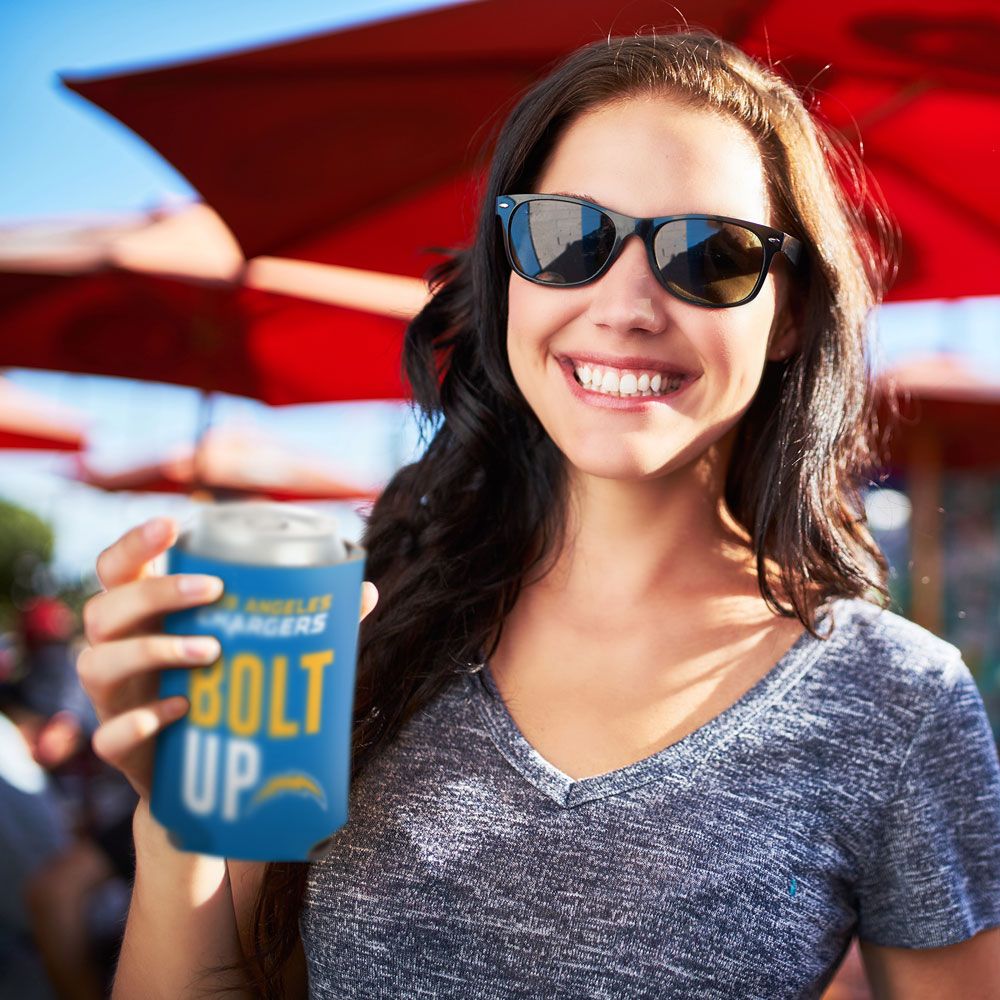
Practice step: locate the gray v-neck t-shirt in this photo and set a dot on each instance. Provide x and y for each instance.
(853, 790)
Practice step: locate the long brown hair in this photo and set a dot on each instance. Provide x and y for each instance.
(456, 534)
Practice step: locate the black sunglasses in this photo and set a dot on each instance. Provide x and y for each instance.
(708, 260)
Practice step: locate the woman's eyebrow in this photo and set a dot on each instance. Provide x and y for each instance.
(571, 194)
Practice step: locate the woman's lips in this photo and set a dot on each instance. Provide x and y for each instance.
(617, 402)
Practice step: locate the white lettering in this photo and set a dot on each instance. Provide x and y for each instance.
(242, 772)
(200, 790)
(200, 800)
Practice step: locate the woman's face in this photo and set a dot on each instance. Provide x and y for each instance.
(648, 156)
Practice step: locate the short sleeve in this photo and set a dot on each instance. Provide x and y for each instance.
(933, 878)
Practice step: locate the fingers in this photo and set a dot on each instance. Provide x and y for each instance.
(119, 612)
(369, 598)
(125, 740)
(107, 669)
(129, 558)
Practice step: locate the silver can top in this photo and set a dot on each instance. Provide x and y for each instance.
(260, 533)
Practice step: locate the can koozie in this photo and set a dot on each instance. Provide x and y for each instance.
(259, 767)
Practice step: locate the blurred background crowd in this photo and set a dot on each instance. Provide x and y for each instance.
(214, 223)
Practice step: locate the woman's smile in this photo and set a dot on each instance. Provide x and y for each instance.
(604, 387)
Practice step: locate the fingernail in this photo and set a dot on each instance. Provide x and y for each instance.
(201, 647)
(155, 530)
(199, 586)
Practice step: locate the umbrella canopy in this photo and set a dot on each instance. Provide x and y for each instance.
(949, 413)
(164, 296)
(32, 422)
(232, 461)
(358, 146)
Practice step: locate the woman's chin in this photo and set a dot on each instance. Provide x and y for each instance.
(613, 465)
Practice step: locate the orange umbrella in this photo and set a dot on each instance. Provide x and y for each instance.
(234, 460)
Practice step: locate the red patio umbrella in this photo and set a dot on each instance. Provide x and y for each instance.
(231, 461)
(356, 146)
(163, 297)
(29, 421)
(942, 396)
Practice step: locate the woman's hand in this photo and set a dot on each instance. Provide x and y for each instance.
(120, 669)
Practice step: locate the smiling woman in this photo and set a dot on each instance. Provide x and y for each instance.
(632, 718)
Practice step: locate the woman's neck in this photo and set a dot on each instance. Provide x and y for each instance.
(632, 542)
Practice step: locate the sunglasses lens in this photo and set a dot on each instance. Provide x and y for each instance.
(558, 242)
(713, 263)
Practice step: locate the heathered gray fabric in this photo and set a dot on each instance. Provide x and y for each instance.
(855, 789)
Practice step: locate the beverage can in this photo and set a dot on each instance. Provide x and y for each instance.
(259, 767)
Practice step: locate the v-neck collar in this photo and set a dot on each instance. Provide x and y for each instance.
(688, 753)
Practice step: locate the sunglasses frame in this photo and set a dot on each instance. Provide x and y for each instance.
(773, 241)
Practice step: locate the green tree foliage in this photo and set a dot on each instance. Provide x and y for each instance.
(26, 543)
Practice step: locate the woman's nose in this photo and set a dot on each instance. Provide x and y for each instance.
(627, 297)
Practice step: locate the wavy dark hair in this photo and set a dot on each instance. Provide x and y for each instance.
(456, 534)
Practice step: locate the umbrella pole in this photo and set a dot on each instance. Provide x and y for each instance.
(925, 472)
(199, 488)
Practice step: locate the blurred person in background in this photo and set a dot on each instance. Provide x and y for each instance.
(63, 860)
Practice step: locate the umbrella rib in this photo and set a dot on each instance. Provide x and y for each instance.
(901, 99)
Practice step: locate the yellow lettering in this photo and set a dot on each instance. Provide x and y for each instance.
(314, 663)
(280, 605)
(278, 725)
(204, 694)
(246, 672)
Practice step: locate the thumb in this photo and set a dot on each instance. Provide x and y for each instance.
(369, 598)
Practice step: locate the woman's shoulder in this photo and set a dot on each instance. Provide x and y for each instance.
(929, 872)
(891, 659)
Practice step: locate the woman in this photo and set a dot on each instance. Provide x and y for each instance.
(630, 718)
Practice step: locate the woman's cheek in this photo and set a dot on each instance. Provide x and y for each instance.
(536, 313)
(734, 358)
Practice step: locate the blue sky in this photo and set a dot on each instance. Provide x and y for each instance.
(62, 157)
(60, 154)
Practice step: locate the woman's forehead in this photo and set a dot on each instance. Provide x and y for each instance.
(656, 156)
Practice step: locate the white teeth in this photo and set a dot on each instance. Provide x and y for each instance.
(608, 382)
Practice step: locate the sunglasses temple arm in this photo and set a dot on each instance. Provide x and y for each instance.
(792, 248)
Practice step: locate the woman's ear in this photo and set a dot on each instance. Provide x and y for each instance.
(784, 341)
(785, 337)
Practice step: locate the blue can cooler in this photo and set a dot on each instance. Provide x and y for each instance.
(259, 767)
